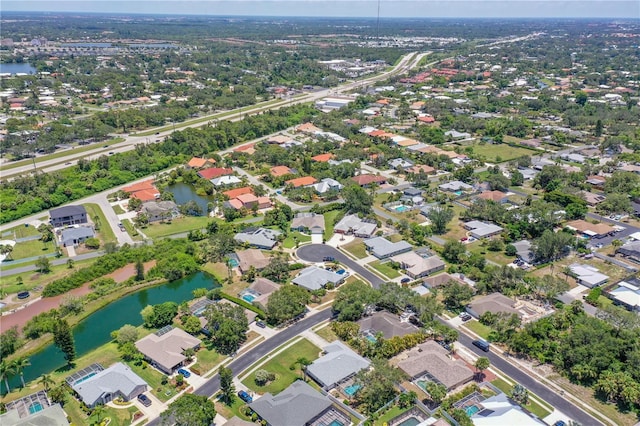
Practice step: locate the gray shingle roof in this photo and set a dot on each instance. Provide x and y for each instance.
(260, 237)
(297, 405)
(339, 363)
(67, 211)
(117, 378)
(381, 247)
(314, 278)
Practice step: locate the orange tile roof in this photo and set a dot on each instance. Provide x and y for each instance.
(303, 181)
(368, 179)
(140, 186)
(214, 172)
(264, 201)
(278, 171)
(377, 133)
(408, 142)
(196, 162)
(426, 119)
(247, 198)
(307, 127)
(234, 193)
(236, 204)
(246, 148)
(421, 168)
(322, 158)
(383, 101)
(146, 195)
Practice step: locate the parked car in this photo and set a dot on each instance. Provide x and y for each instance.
(23, 295)
(482, 344)
(465, 316)
(328, 259)
(245, 397)
(184, 372)
(261, 324)
(405, 280)
(144, 400)
(464, 239)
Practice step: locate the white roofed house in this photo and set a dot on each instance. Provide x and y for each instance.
(352, 224)
(480, 230)
(326, 185)
(117, 381)
(587, 275)
(627, 294)
(338, 364)
(315, 278)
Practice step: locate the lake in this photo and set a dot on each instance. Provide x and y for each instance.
(184, 193)
(95, 330)
(15, 68)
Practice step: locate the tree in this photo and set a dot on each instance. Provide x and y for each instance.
(227, 325)
(9, 342)
(520, 394)
(19, 364)
(191, 324)
(436, 391)
(303, 362)
(190, 410)
(58, 394)
(46, 381)
(6, 249)
(598, 130)
(352, 299)
(581, 97)
(277, 270)
(357, 200)
(456, 295)
(286, 303)
(126, 334)
(482, 364)
(63, 339)
(510, 250)
(226, 385)
(453, 251)
(159, 315)
(262, 377)
(548, 287)
(134, 204)
(46, 232)
(615, 203)
(552, 246)
(377, 385)
(42, 265)
(70, 263)
(498, 181)
(440, 217)
(130, 353)
(139, 270)
(7, 369)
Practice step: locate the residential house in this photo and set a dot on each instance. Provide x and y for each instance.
(417, 266)
(262, 288)
(588, 229)
(480, 230)
(298, 405)
(593, 199)
(143, 191)
(587, 275)
(367, 180)
(596, 181)
(214, 172)
(49, 415)
(527, 173)
(400, 163)
(278, 171)
(233, 193)
(455, 186)
(225, 181)
(308, 222)
(338, 364)
(421, 168)
(160, 210)
(308, 128)
(251, 257)
(494, 302)
(68, 215)
(117, 381)
(386, 323)
(574, 158)
(382, 248)
(500, 410)
(523, 251)
(326, 185)
(433, 361)
(165, 348)
(352, 224)
(198, 163)
(261, 238)
(315, 278)
(495, 196)
(278, 139)
(323, 158)
(455, 135)
(532, 143)
(301, 181)
(627, 294)
(440, 280)
(631, 251)
(71, 237)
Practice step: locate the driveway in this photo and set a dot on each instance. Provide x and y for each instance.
(317, 252)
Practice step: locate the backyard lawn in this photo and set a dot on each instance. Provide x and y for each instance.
(329, 217)
(153, 378)
(228, 412)
(19, 232)
(103, 228)
(385, 269)
(356, 248)
(176, 226)
(32, 248)
(279, 365)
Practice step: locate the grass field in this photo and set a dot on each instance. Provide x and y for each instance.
(393, 412)
(533, 406)
(32, 248)
(19, 232)
(478, 328)
(131, 230)
(177, 226)
(503, 151)
(94, 211)
(207, 359)
(329, 217)
(33, 279)
(385, 269)
(327, 334)
(290, 241)
(279, 365)
(118, 209)
(356, 248)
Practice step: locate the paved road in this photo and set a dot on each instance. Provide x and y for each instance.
(317, 252)
(211, 386)
(546, 394)
(59, 261)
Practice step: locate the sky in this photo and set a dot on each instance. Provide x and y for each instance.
(346, 8)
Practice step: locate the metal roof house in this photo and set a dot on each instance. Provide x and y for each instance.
(338, 364)
(315, 278)
(627, 294)
(454, 186)
(480, 230)
(107, 385)
(68, 215)
(587, 275)
(382, 248)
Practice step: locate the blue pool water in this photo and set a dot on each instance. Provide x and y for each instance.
(458, 192)
(248, 297)
(371, 339)
(411, 421)
(402, 209)
(35, 407)
(351, 390)
(472, 410)
(335, 423)
(88, 376)
(233, 263)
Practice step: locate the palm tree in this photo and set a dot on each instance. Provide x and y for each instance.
(19, 365)
(46, 381)
(7, 370)
(6, 249)
(99, 412)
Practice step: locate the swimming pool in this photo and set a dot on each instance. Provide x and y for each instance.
(248, 297)
(351, 390)
(411, 421)
(335, 423)
(87, 377)
(35, 407)
(371, 338)
(471, 410)
(458, 193)
(233, 263)
(402, 208)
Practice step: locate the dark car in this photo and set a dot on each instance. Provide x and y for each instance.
(245, 397)
(482, 344)
(405, 280)
(23, 295)
(261, 324)
(184, 373)
(144, 400)
(328, 259)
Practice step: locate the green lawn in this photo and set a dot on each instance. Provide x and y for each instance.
(290, 241)
(327, 334)
(502, 385)
(33, 248)
(478, 328)
(356, 248)
(532, 406)
(207, 359)
(228, 412)
(392, 413)
(329, 217)
(385, 269)
(131, 230)
(153, 378)
(504, 151)
(19, 232)
(95, 212)
(177, 226)
(118, 209)
(279, 365)
(33, 279)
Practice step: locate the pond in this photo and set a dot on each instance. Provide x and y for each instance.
(15, 68)
(184, 193)
(96, 329)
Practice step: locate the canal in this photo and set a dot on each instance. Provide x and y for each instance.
(95, 330)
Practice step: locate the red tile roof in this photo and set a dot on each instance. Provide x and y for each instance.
(278, 171)
(303, 181)
(234, 193)
(368, 179)
(214, 172)
(322, 158)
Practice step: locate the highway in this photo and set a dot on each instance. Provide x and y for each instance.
(406, 63)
